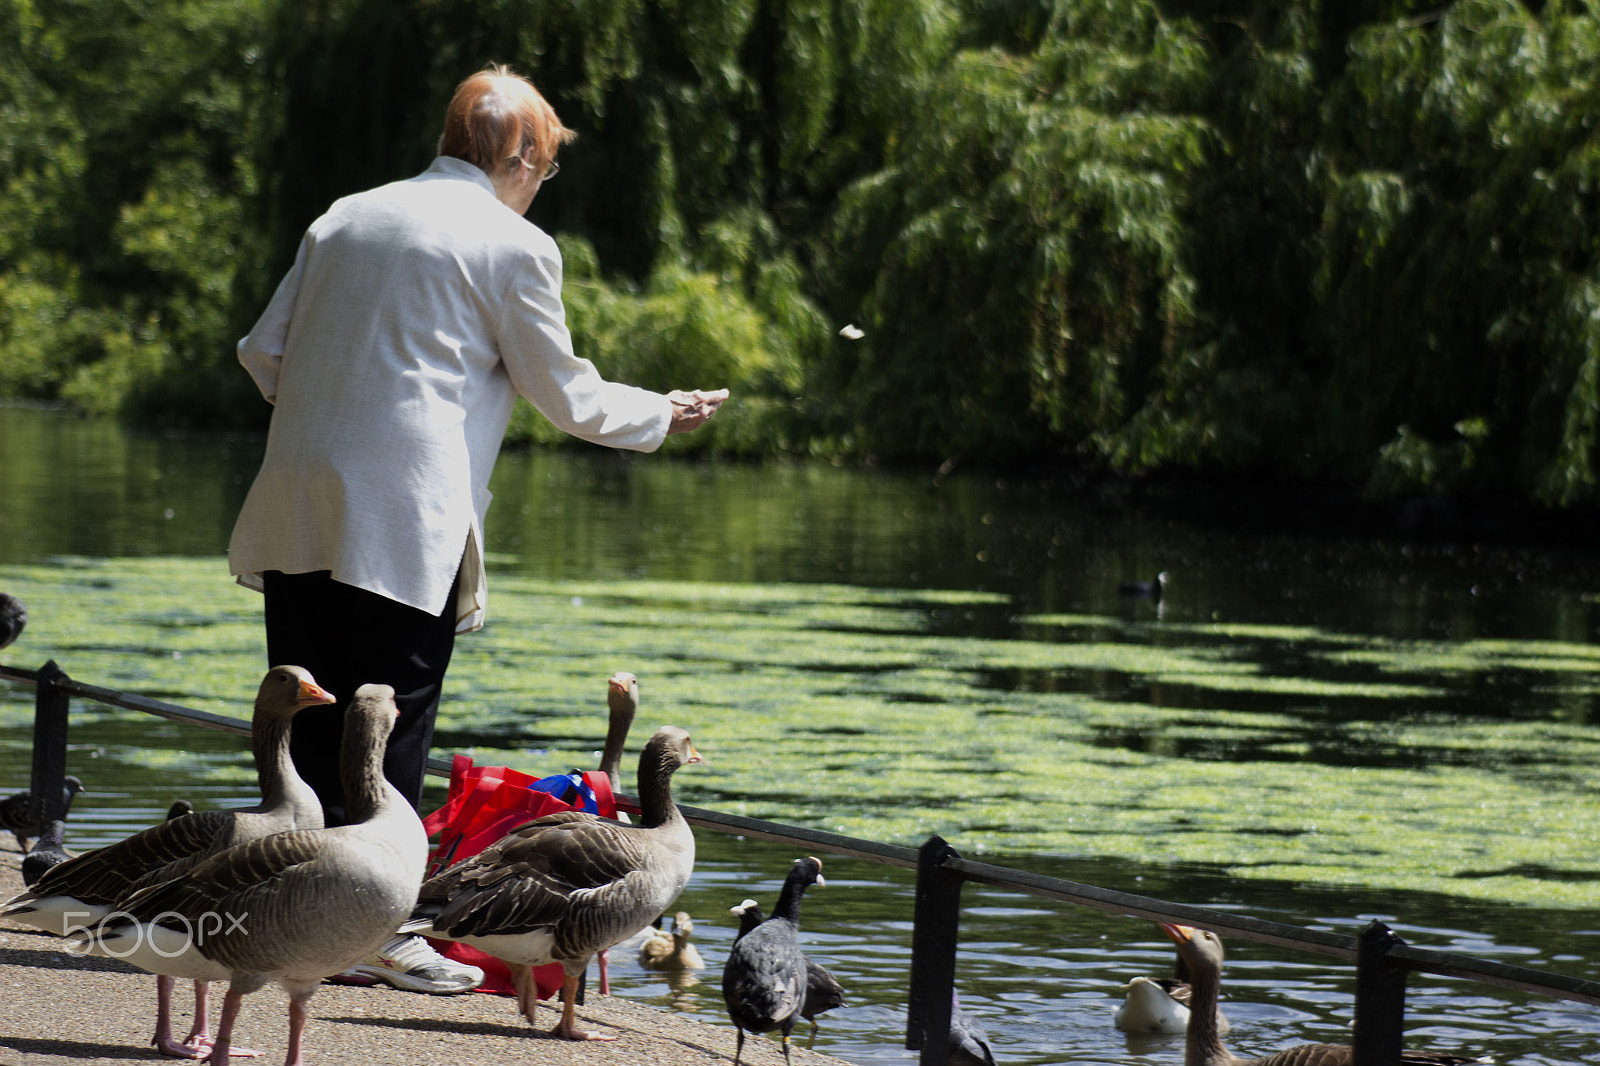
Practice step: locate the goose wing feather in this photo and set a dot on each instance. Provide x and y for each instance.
(1344, 1055)
(255, 897)
(233, 875)
(1309, 1055)
(542, 874)
(106, 875)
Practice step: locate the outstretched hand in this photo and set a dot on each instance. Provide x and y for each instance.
(690, 410)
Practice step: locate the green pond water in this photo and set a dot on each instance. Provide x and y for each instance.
(1309, 729)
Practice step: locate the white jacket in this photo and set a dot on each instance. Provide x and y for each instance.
(392, 351)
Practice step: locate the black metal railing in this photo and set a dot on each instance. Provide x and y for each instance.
(1383, 961)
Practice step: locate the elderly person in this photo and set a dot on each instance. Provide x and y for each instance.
(414, 315)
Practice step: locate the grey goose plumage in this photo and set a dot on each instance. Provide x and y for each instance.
(86, 888)
(297, 906)
(1201, 950)
(562, 887)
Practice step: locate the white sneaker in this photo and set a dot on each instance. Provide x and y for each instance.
(410, 963)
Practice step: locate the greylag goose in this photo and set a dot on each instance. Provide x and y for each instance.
(1159, 1005)
(622, 702)
(13, 618)
(663, 950)
(1201, 950)
(561, 887)
(90, 886)
(49, 850)
(23, 817)
(292, 908)
(764, 978)
(823, 990)
(969, 1044)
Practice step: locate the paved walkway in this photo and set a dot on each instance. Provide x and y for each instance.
(58, 1009)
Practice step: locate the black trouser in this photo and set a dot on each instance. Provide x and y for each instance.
(348, 637)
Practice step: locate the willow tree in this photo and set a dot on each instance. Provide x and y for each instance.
(1020, 265)
(1459, 285)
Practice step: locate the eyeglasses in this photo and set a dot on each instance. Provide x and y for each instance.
(549, 172)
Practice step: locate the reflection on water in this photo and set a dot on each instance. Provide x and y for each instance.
(1043, 977)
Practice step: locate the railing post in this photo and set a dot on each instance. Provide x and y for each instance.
(49, 780)
(1380, 998)
(935, 923)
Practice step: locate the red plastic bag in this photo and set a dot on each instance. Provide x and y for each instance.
(484, 804)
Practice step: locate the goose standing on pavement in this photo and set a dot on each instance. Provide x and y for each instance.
(764, 978)
(292, 908)
(561, 887)
(1202, 952)
(823, 990)
(89, 886)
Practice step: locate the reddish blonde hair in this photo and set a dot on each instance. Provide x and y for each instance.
(496, 117)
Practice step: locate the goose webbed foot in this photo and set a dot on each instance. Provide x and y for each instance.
(198, 1046)
(567, 1028)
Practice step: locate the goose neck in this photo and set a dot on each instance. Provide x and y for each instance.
(655, 795)
(270, 743)
(611, 754)
(1204, 1046)
(361, 773)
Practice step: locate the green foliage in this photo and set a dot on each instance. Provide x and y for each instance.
(44, 331)
(685, 329)
(124, 194)
(1458, 259)
(1127, 234)
(1026, 255)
